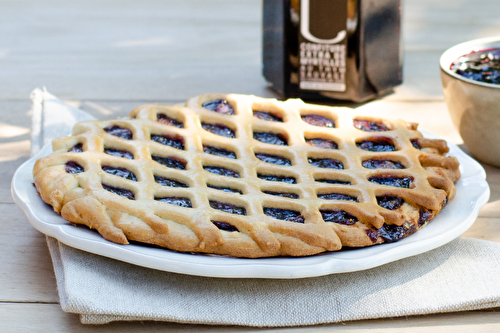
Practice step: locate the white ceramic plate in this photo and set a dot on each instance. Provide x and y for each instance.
(472, 193)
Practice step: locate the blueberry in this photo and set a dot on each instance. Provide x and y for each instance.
(225, 226)
(273, 159)
(219, 106)
(267, 116)
(337, 196)
(219, 152)
(284, 214)
(170, 162)
(169, 182)
(172, 140)
(327, 163)
(377, 145)
(73, 167)
(177, 201)
(120, 172)
(120, 191)
(338, 216)
(219, 129)
(78, 148)
(390, 202)
(118, 153)
(165, 120)
(322, 143)
(283, 194)
(120, 132)
(369, 126)
(270, 138)
(393, 233)
(228, 208)
(404, 182)
(381, 164)
(222, 171)
(225, 189)
(317, 120)
(274, 178)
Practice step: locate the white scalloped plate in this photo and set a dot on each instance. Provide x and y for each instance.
(472, 193)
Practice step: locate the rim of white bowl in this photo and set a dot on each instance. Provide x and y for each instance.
(454, 52)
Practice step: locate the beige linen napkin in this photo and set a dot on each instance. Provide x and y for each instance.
(462, 275)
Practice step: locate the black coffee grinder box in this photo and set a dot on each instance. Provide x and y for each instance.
(332, 49)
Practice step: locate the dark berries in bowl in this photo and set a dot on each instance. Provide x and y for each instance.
(482, 66)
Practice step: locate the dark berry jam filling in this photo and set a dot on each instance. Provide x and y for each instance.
(337, 196)
(445, 202)
(228, 208)
(170, 162)
(120, 191)
(316, 120)
(219, 106)
(78, 148)
(172, 140)
(482, 66)
(322, 143)
(219, 129)
(219, 152)
(382, 164)
(393, 233)
(177, 201)
(273, 159)
(166, 120)
(73, 167)
(225, 226)
(424, 217)
(270, 138)
(370, 126)
(326, 163)
(404, 182)
(338, 216)
(390, 202)
(332, 181)
(169, 182)
(283, 194)
(372, 234)
(222, 171)
(284, 214)
(273, 178)
(377, 144)
(415, 144)
(224, 189)
(118, 153)
(120, 172)
(120, 132)
(267, 116)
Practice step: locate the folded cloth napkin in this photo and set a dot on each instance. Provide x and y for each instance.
(459, 276)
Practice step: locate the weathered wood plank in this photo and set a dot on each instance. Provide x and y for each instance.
(15, 125)
(26, 273)
(109, 57)
(29, 318)
(486, 228)
(437, 25)
(151, 50)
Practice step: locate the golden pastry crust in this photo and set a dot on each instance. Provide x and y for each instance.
(254, 178)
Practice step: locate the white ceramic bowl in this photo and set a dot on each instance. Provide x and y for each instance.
(474, 106)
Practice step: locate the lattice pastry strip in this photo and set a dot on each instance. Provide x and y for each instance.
(248, 177)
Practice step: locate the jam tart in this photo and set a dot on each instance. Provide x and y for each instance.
(248, 177)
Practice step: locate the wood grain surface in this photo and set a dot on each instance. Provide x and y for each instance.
(108, 57)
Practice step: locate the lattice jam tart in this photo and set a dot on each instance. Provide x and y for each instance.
(248, 177)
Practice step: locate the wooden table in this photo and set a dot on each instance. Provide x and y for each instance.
(108, 57)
